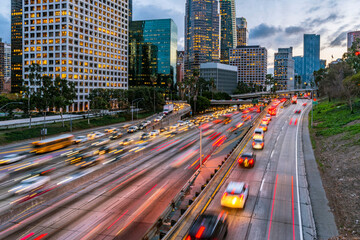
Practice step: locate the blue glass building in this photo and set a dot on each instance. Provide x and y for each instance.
(311, 57)
(152, 50)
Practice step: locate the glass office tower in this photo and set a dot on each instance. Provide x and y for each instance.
(242, 32)
(16, 45)
(311, 57)
(202, 33)
(228, 28)
(153, 45)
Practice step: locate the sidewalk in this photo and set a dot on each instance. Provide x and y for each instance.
(324, 219)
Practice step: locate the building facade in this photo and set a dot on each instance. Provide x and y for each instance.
(180, 66)
(311, 58)
(242, 32)
(202, 33)
(2, 66)
(251, 62)
(224, 75)
(5, 67)
(16, 45)
(351, 38)
(284, 73)
(298, 70)
(153, 45)
(85, 42)
(228, 28)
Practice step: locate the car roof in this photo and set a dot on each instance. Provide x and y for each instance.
(208, 221)
(258, 130)
(235, 187)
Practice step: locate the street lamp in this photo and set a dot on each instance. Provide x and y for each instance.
(132, 107)
(137, 108)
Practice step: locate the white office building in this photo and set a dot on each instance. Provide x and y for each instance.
(284, 73)
(82, 41)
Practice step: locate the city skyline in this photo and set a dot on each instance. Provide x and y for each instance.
(265, 22)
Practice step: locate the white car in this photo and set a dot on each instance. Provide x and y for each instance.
(154, 132)
(148, 122)
(80, 139)
(30, 184)
(132, 129)
(235, 195)
(101, 142)
(158, 119)
(94, 135)
(11, 158)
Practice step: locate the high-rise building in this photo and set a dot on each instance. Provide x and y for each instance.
(298, 69)
(242, 32)
(311, 57)
(202, 33)
(85, 42)
(224, 75)
(130, 10)
(16, 45)
(284, 69)
(251, 62)
(2, 65)
(228, 28)
(153, 45)
(351, 38)
(7, 53)
(180, 66)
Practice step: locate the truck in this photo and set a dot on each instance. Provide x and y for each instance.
(168, 108)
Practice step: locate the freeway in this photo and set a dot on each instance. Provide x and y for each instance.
(278, 206)
(127, 200)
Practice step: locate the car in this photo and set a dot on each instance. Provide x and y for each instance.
(173, 126)
(163, 129)
(111, 130)
(142, 126)
(258, 133)
(265, 121)
(43, 171)
(304, 104)
(89, 161)
(298, 111)
(268, 116)
(258, 144)
(145, 136)
(115, 136)
(264, 127)
(75, 151)
(126, 141)
(244, 116)
(132, 129)
(14, 157)
(154, 132)
(101, 142)
(235, 195)
(247, 159)
(80, 139)
(209, 226)
(104, 149)
(94, 135)
(30, 184)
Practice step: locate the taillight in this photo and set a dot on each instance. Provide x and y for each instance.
(200, 232)
(262, 144)
(251, 161)
(188, 238)
(253, 144)
(241, 197)
(241, 160)
(225, 194)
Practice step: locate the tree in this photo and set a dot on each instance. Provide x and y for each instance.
(64, 94)
(212, 87)
(202, 103)
(352, 57)
(169, 83)
(99, 99)
(352, 89)
(242, 88)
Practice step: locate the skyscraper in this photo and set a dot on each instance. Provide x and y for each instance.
(2, 65)
(251, 62)
(311, 57)
(16, 44)
(85, 42)
(242, 31)
(202, 33)
(228, 28)
(180, 66)
(153, 45)
(351, 38)
(284, 69)
(298, 69)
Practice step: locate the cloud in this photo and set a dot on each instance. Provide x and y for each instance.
(313, 9)
(263, 31)
(339, 40)
(5, 33)
(320, 21)
(294, 30)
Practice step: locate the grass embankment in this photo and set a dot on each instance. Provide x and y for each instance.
(19, 134)
(336, 141)
(333, 118)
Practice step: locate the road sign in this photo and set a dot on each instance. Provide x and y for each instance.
(315, 103)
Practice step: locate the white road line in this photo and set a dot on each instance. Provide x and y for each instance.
(272, 153)
(297, 175)
(262, 184)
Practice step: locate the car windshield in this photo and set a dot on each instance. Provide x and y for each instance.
(258, 140)
(246, 155)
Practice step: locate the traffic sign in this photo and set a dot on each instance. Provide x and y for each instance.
(315, 103)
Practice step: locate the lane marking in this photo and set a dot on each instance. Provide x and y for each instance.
(272, 208)
(262, 184)
(272, 153)
(292, 205)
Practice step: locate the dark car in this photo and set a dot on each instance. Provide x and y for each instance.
(116, 136)
(247, 159)
(298, 111)
(209, 226)
(145, 136)
(141, 126)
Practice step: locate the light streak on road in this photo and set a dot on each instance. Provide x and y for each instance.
(272, 208)
(118, 219)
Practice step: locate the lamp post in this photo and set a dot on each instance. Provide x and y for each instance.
(132, 107)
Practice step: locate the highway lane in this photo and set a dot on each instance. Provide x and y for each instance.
(152, 190)
(272, 209)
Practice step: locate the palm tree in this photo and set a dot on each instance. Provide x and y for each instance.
(212, 87)
(169, 83)
(153, 79)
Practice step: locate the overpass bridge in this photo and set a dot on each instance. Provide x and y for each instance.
(261, 94)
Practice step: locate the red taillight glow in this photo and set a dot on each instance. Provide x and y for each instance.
(241, 160)
(253, 144)
(200, 232)
(188, 238)
(225, 194)
(251, 161)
